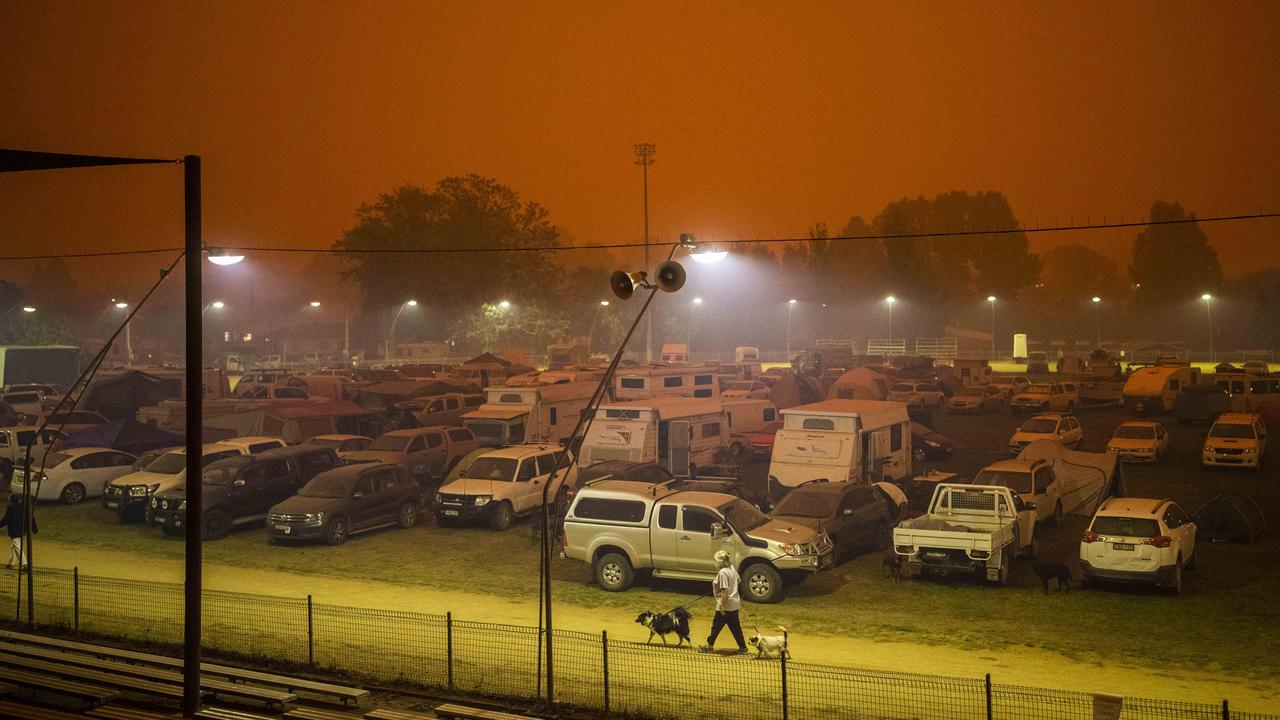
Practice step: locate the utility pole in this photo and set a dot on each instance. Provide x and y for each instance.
(644, 158)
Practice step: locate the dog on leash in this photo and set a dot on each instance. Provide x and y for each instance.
(893, 565)
(662, 625)
(1049, 570)
(768, 646)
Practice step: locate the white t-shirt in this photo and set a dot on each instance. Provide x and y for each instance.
(726, 579)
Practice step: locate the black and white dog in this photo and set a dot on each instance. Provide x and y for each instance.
(770, 645)
(676, 621)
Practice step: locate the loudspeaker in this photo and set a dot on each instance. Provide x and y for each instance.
(671, 276)
(621, 284)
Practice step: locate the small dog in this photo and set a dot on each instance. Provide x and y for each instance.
(1048, 570)
(768, 646)
(676, 621)
(893, 564)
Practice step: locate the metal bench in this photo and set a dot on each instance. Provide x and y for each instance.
(106, 679)
(37, 681)
(18, 711)
(398, 715)
(117, 712)
(307, 713)
(214, 713)
(340, 692)
(463, 712)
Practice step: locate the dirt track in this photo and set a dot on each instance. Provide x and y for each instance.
(1014, 665)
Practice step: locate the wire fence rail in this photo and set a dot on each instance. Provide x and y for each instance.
(591, 671)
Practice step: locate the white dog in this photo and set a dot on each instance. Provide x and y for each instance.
(770, 645)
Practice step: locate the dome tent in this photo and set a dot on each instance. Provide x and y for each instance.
(1230, 518)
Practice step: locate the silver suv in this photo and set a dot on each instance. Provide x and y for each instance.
(621, 526)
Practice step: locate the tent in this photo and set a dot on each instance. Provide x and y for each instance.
(128, 435)
(791, 390)
(292, 421)
(1086, 478)
(1230, 518)
(121, 396)
(860, 384)
(385, 394)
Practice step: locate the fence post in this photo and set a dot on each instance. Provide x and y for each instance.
(604, 654)
(783, 658)
(311, 635)
(448, 626)
(1226, 711)
(987, 683)
(75, 597)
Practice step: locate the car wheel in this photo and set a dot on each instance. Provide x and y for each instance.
(917, 454)
(883, 537)
(1033, 548)
(1176, 584)
(216, 525)
(501, 517)
(1057, 514)
(337, 531)
(614, 573)
(1191, 564)
(735, 449)
(407, 516)
(1002, 575)
(763, 583)
(73, 494)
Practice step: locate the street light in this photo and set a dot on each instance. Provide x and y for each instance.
(218, 256)
(791, 304)
(28, 309)
(284, 344)
(1097, 318)
(386, 341)
(890, 301)
(693, 322)
(128, 333)
(504, 304)
(1207, 298)
(992, 299)
(592, 330)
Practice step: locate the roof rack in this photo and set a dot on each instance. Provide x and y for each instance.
(653, 492)
(1160, 504)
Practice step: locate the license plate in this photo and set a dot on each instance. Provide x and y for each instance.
(451, 513)
(113, 503)
(284, 529)
(160, 520)
(1122, 546)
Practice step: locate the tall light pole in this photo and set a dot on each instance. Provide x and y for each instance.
(992, 299)
(284, 344)
(592, 330)
(693, 322)
(644, 158)
(1097, 317)
(128, 333)
(791, 305)
(391, 332)
(1207, 298)
(890, 301)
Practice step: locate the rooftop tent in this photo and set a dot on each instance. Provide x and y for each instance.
(125, 434)
(1087, 478)
(1230, 518)
(121, 396)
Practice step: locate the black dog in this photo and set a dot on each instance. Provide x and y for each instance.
(893, 564)
(1050, 570)
(676, 621)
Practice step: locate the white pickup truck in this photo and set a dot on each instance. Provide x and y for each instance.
(968, 528)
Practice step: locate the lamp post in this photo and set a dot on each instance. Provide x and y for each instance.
(284, 343)
(791, 304)
(592, 330)
(386, 342)
(890, 301)
(128, 333)
(1207, 298)
(693, 322)
(644, 158)
(992, 299)
(1097, 318)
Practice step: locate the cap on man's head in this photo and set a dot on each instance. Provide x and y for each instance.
(722, 558)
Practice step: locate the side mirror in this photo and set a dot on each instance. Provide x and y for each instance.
(1031, 506)
(719, 530)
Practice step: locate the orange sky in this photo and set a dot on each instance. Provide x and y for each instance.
(768, 117)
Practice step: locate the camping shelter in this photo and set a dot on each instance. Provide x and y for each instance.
(859, 384)
(1230, 518)
(292, 421)
(386, 394)
(120, 396)
(1085, 478)
(125, 434)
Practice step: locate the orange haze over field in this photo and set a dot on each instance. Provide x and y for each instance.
(767, 117)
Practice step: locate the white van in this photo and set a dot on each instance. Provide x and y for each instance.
(1248, 391)
(744, 353)
(1153, 389)
(644, 382)
(746, 417)
(841, 440)
(532, 414)
(675, 353)
(973, 373)
(677, 433)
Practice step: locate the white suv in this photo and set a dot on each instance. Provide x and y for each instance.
(503, 483)
(1235, 440)
(1139, 540)
(1046, 397)
(1062, 429)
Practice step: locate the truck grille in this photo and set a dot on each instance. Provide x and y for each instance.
(1229, 451)
(282, 518)
(457, 500)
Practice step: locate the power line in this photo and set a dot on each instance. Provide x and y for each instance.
(734, 241)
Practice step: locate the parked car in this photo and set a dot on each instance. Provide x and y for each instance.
(76, 420)
(760, 444)
(1235, 440)
(345, 501)
(1138, 540)
(51, 390)
(852, 516)
(429, 453)
(976, 399)
(129, 496)
(502, 484)
(746, 389)
(929, 444)
(918, 394)
(14, 441)
(31, 402)
(276, 392)
(242, 489)
(1010, 386)
(969, 528)
(1139, 441)
(72, 475)
(1046, 397)
(1061, 428)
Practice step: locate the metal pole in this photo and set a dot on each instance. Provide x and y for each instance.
(785, 709)
(648, 333)
(448, 627)
(604, 655)
(75, 594)
(1226, 710)
(1097, 318)
(195, 413)
(311, 635)
(891, 323)
(128, 344)
(391, 332)
(993, 331)
(987, 683)
(790, 306)
(346, 325)
(1209, 312)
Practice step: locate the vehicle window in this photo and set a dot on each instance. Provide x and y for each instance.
(460, 435)
(4, 437)
(316, 461)
(698, 520)
(770, 414)
(452, 404)
(590, 508)
(120, 458)
(1237, 387)
(1173, 517)
(895, 437)
(528, 469)
(1129, 527)
(473, 401)
(417, 444)
(25, 437)
(1231, 430)
(554, 415)
(710, 430)
(1258, 387)
(701, 379)
(434, 440)
(276, 469)
(853, 500)
(676, 381)
(387, 479)
(252, 474)
(703, 393)
(818, 424)
(632, 383)
(259, 447)
(1043, 479)
(1042, 426)
(84, 462)
(667, 517)
(365, 484)
(435, 406)
(546, 463)
(1072, 423)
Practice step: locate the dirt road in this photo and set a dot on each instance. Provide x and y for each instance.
(1014, 665)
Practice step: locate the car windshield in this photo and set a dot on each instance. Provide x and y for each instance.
(1019, 482)
(1128, 527)
(799, 503)
(328, 486)
(169, 464)
(902, 388)
(1037, 390)
(743, 515)
(1136, 432)
(1231, 430)
(219, 475)
(1043, 426)
(390, 443)
(491, 468)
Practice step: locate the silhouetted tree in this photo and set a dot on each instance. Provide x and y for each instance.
(1172, 263)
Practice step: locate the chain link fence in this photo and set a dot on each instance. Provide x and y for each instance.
(591, 671)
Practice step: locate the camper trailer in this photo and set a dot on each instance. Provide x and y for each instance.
(529, 414)
(746, 417)
(841, 441)
(680, 434)
(1153, 389)
(746, 353)
(675, 353)
(644, 382)
(973, 373)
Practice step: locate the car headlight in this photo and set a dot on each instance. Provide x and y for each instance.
(483, 500)
(313, 518)
(137, 490)
(1248, 451)
(933, 444)
(1113, 449)
(439, 498)
(792, 549)
(155, 503)
(153, 487)
(182, 505)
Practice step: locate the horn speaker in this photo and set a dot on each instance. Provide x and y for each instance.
(621, 284)
(671, 276)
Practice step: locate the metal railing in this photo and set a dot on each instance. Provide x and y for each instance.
(592, 671)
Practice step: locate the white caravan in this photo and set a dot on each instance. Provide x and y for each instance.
(530, 414)
(746, 417)
(651, 381)
(678, 433)
(1153, 389)
(839, 441)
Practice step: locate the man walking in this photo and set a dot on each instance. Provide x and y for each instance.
(15, 519)
(728, 602)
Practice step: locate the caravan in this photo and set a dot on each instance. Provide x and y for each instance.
(1153, 389)
(841, 440)
(642, 383)
(678, 433)
(1248, 391)
(747, 417)
(531, 414)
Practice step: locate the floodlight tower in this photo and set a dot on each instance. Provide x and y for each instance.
(644, 158)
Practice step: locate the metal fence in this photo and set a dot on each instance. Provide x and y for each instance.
(591, 671)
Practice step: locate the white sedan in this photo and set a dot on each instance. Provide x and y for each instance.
(72, 475)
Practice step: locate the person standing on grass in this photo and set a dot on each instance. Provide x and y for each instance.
(15, 519)
(728, 602)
